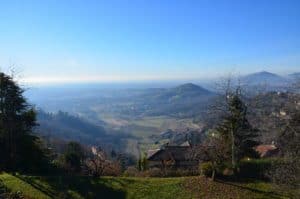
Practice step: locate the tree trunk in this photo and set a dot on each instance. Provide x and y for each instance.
(233, 160)
(213, 174)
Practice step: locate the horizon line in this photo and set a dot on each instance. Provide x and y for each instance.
(91, 79)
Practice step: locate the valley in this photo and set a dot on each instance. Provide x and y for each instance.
(132, 119)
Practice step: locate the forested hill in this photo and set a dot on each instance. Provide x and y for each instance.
(186, 100)
(181, 93)
(64, 126)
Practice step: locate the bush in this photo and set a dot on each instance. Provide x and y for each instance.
(112, 169)
(254, 168)
(206, 169)
(131, 172)
(154, 172)
(285, 172)
(181, 172)
(227, 171)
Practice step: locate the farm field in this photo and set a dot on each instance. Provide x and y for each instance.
(143, 128)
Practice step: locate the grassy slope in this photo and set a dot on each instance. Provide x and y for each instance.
(85, 187)
(15, 184)
(110, 187)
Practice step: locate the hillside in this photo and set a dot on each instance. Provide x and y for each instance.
(183, 92)
(294, 75)
(185, 100)
(181, 101)
(121, 187)
(64, 126)
(264, 78)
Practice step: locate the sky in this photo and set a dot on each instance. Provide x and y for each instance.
(139, 40)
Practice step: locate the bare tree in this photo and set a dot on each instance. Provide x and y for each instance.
(98, 164)
(214, 150)
(229, 118)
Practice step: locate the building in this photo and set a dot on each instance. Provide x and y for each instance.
(266, 150)
(172, 157)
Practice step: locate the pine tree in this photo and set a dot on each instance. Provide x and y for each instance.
(74, 157)
(20, 150)
(237, 131)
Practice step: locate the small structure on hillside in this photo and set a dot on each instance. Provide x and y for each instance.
(173, 157)
(267, 150)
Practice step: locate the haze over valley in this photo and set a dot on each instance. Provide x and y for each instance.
(131, 117)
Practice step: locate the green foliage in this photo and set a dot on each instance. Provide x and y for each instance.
(206, 169)
(74, 157)
(236, 129)
(19, 149)
(34, 158)
(142, 163)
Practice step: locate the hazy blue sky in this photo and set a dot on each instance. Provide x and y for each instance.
(148, 39)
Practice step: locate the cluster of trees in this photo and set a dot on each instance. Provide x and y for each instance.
(22, 151)
(17, 120)
(77, 159)
(287, 171)
(232, 138)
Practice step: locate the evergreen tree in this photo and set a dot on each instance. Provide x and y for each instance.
(74, 157)
(236, 129)
(20, 150)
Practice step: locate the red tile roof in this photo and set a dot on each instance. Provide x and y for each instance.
(266, 150)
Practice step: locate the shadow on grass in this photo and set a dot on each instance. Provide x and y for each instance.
(269, 194)
(86, 187)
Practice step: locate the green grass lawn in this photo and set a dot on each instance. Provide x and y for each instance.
(37, 187)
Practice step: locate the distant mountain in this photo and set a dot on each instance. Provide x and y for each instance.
(190, 88)
(184, 100)
(264, 78)
(294, 75)
(183, 93)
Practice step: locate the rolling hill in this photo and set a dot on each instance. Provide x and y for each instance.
(264, 77)
(185, 100)
(63, 126)
(294, 75)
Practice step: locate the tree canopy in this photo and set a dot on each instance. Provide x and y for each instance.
(236, 130)
(20, 150)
